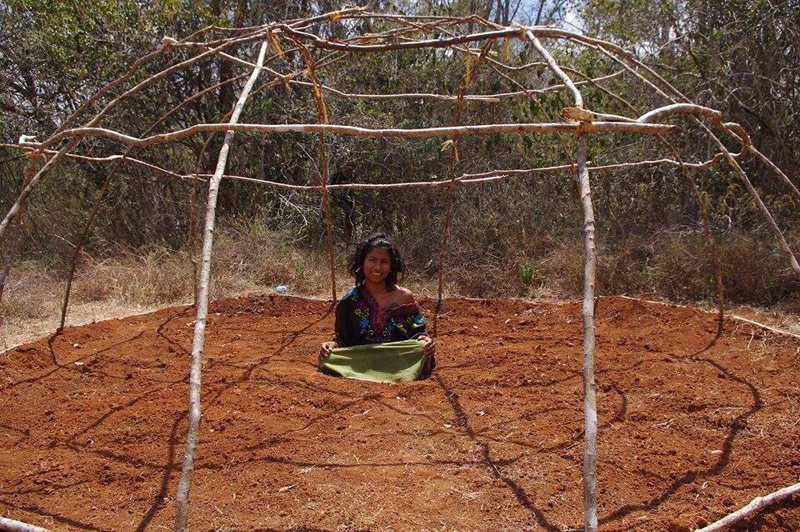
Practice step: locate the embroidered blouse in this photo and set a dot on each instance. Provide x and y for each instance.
(360, 320)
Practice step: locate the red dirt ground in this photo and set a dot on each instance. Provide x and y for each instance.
(92, 423)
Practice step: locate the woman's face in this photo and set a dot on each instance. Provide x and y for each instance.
(377, 265)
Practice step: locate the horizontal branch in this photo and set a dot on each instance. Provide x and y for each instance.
(464, 179)
(485, 129)
(409, 45)
(486, 98)
(501, 32)
(107, 159)
(491, 98)
(469, 179)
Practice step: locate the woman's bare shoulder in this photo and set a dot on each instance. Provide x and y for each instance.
(404, 295)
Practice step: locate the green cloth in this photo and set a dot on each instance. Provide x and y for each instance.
(389, 362)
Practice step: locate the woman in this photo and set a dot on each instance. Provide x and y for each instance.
(377, 310)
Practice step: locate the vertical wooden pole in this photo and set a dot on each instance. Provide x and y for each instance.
(182, 499)
(589, 394)
(469, 75)
(322, 118)
(76, 252)
(589, 274)
(711, 245)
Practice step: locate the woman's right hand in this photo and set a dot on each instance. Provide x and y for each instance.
(326, 349)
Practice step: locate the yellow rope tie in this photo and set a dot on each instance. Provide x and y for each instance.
(286, 82)
(274, 43)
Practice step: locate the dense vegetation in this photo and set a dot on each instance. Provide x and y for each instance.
(512, 237)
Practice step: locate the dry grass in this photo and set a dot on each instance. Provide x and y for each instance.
(131, 283)
(251, 260)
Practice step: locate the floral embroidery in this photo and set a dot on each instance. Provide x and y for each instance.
(371, 317)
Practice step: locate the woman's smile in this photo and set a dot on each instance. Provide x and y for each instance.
(377, 265)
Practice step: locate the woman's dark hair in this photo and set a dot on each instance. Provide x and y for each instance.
(377, 240)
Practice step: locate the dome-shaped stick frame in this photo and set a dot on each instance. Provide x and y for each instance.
(297, 38)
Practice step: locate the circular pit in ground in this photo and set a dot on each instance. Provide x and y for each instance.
(92, 423)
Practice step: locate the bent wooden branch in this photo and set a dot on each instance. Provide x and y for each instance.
(629, 61)
(18, 204)
(182, 499)
(774, 167)
(8, 252)
(681, 108)
(783, 245)
(752, 509)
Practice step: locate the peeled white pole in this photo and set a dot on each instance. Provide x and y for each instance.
(10, 525)
(182, 498)
(751, 509)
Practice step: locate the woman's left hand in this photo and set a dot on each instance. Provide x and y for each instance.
(430, 345)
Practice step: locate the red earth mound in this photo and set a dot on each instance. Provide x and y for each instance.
(92, 423)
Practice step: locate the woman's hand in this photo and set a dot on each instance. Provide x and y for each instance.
(429, 348)
(326, 349)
